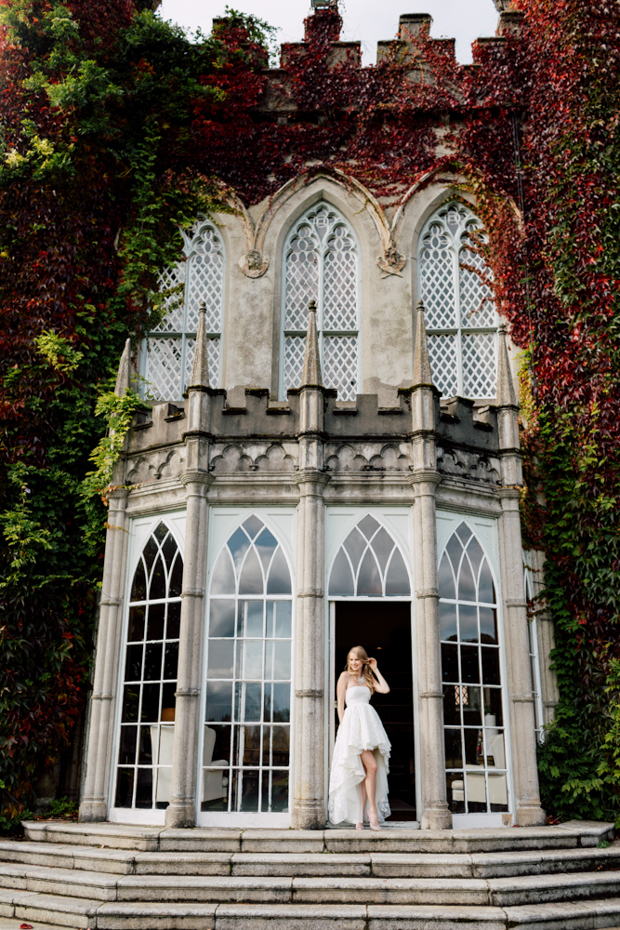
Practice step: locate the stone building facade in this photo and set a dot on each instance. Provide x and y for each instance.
(328, 455)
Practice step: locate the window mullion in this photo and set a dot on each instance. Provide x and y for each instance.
(459, 337)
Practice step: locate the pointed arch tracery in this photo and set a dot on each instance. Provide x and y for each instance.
(198, 277)
(321, 263)
(475, 745)
(461, 320)
(151, 649)
(369, 564)
(245, 764)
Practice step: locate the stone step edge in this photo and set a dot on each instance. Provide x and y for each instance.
(80, 914)
(247, 890)
(457, 865)
(573, 833)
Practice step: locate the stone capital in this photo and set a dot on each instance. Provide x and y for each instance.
(424, 476)
(311, 476)
(199, 477)
(509, 494)
(119, 495)
(427, 592)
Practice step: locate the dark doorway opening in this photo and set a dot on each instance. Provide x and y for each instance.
(384, 629)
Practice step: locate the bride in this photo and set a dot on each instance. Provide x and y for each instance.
(358, 780)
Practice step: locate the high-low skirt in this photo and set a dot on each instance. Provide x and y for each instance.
(361, 729)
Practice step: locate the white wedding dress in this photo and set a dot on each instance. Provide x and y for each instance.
(361, 729)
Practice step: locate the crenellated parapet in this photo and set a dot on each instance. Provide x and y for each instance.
(362, 436)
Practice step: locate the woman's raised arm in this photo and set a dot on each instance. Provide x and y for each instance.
(381, 686)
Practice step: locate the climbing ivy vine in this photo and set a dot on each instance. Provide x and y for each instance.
(116, 130)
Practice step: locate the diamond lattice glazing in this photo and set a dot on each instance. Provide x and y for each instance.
(294, 350)
(213, 357)
(173, 279)
(476, 297)
(163, 369)
(340, 365)
(444, 369)
(206, 280)
(302, 278)
(437, 279)
(322, 264)
(457, 300)
(480, 365)
(340, 282)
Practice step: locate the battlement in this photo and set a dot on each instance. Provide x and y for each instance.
(458, 421)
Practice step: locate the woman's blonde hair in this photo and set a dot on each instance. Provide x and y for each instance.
(367, 674)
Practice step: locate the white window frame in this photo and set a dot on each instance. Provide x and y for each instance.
(322, 333)
(534, 655)
(141, 529)
(459, 330)
(222, 524)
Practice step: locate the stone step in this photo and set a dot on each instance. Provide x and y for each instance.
(265, 889)
(373, 864)
(47, 912)
(158, 839)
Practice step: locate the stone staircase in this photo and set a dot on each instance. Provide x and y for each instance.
(114, 877)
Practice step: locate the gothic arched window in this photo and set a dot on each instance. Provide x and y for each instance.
(461, 321)
(198, 277)
(369, 564)
(144, 769)
(321, 263)
(246, 749)
(471, 670)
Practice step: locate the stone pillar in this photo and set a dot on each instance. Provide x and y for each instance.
(94, 806)
(528, 811)
(435, 814)
(181, 812)
(309, 708)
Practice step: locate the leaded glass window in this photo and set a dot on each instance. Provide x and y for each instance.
(369, 564)
(246, 749)
(321, 263)
(144, 769)
(475, 746)
(198, 277)
(461, 320)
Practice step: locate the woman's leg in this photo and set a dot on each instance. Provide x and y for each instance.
(370, 783)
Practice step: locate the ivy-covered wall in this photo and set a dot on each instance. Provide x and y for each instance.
(116, 130)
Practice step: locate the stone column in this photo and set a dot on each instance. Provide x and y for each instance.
(181, 812)
(309, 708)
(435, 814)
(94, 805)
(528, 811)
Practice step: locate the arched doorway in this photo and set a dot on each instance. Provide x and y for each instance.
(369, 591)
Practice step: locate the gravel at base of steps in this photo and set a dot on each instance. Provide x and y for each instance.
(48, 913)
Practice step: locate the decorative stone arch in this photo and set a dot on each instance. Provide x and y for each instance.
(388, 259)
